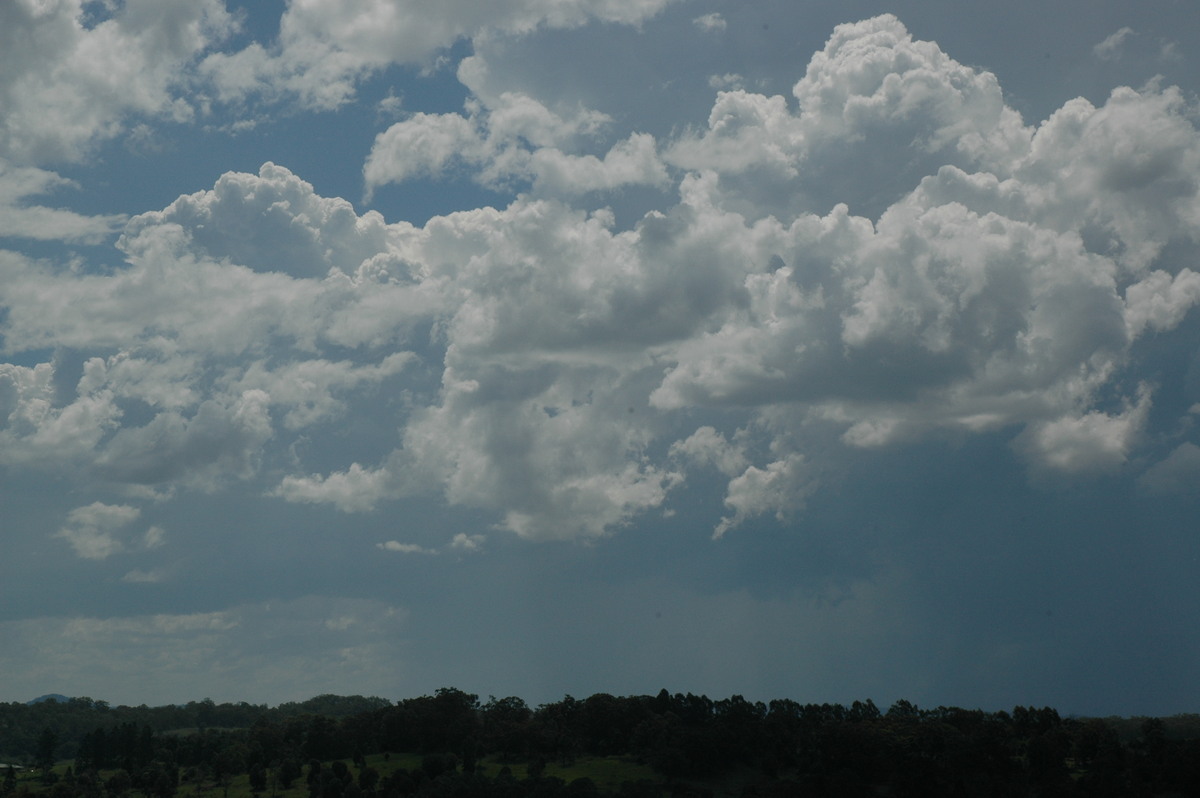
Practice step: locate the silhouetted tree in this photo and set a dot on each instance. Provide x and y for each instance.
(288, 771)
(368, 778)
(47, 745)
(505, 727)
(258, 778)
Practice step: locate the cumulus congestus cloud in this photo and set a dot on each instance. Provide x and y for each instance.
(1001, 284)
(972, 272)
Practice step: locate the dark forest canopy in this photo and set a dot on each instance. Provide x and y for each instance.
(776, 748)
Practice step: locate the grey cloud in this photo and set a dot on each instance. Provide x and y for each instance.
(219, 442)
(1178, 473)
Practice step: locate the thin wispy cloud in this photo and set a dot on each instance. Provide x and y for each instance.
(1110, 49)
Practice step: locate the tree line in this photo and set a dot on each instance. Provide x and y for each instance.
(779, 748)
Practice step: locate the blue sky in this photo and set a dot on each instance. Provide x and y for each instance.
(822, 351)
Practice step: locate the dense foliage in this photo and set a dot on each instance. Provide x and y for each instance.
(697, 746)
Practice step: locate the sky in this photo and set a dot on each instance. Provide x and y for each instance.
(826, 351)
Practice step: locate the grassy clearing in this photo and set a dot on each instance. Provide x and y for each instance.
(606, 772)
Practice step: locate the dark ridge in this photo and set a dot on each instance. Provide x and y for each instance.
(57, 698)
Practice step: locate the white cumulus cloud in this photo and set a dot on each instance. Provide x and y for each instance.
(69, 86)
(326, 46)
(710, 23)
(91, 530)
(888, 254)
(405, 548)
(509, 138)
(780, 488)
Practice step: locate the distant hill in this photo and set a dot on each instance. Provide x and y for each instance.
(57, 698)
